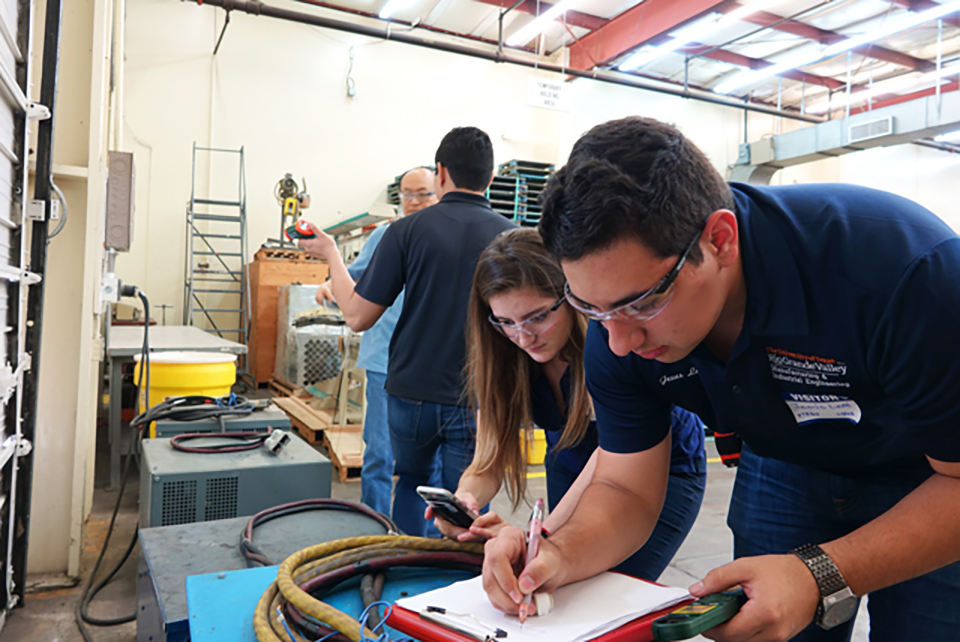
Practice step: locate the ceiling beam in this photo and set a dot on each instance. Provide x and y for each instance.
(574, 18)
(922, 5)
(636, 26)
(810, 32)
(896, 100)
(733, 58)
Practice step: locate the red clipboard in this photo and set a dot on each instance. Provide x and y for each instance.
(410, 622)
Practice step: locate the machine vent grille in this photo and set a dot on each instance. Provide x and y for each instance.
(871, 129)
(179, 502)
(221, 499)
(321, 360)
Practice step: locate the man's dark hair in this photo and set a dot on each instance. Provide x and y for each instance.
(467, 153)
(631, 178)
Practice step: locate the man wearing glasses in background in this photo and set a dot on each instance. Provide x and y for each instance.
(431, 257)
(417, 191)
(818, 323)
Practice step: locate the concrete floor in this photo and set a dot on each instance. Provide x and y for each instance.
(48, 616)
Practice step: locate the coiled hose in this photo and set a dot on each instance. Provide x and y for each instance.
(316, 569)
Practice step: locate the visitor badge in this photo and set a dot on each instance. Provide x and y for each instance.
(810, 408)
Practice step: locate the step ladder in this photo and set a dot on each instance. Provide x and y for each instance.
(216, 289)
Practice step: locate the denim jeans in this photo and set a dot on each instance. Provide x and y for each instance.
(376, 476)
(680, 509)
(426, 436)
(777, 506)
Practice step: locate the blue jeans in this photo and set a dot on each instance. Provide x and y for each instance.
(777, 506)
(426, 436)
(680, 509)
(376, 476)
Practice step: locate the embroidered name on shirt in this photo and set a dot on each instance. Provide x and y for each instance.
(667, 378)
(807, 370)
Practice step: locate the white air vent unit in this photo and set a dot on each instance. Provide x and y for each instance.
(871, 129)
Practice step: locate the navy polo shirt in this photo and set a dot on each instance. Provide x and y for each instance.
(687, 441)
(849, 357)
(433, 253)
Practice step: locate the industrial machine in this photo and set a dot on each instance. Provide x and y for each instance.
(184, 487)
(291, 200)
(257, 421)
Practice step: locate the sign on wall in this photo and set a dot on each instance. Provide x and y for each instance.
(548, 94)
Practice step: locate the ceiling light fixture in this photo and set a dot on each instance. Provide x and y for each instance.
(392, 7)
(693, 33)
(908, 21)
(888, 87)
(949, 137)
(533, 28)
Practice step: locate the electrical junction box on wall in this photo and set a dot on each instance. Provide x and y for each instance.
(118, 230)
(182, 488)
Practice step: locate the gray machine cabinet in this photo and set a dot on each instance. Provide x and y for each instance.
(182, 488)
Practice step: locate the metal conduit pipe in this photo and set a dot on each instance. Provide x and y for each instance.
(386, 33)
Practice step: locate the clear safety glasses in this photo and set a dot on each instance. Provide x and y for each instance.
(530, 327)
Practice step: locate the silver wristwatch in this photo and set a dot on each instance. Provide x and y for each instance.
(837, 602)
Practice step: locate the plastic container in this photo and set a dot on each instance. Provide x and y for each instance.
(180, 374)
(534, 446)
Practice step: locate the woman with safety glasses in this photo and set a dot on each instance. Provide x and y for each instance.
(525, 367)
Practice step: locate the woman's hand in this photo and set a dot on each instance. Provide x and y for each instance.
(455, 532)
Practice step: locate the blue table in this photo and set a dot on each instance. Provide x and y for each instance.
(221, 605)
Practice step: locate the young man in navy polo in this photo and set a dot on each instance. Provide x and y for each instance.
(818, 324)
(431, 257)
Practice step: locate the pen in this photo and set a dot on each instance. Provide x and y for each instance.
(533, 546)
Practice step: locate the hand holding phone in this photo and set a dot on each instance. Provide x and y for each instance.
(447, 506)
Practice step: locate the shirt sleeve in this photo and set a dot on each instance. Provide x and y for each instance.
(360, 263)
(915, 351)
(382, 280)
(630, 418)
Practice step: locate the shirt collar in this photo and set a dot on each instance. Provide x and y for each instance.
(776, 304)
(464, 197)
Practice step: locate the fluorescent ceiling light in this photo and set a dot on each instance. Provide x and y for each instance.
(690, 33)
(950, 137)
(903, 23)
(533, 28)
(392, 7)
(888, 87)
(693, 33)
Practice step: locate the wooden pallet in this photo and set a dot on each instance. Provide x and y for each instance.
(344, 444)
(281, 388)
(345, 447)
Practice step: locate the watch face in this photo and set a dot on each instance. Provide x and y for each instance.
(838, 608)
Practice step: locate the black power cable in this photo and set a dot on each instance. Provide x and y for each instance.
(254, 555)
(90, 591)
(241, 441)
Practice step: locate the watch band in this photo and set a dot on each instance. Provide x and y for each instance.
(825, 572)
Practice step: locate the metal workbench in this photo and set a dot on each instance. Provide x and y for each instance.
(170, 554)
(124, 342)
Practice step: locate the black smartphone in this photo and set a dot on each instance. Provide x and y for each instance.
(446, 505)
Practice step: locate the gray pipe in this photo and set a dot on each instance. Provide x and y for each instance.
(258, 9)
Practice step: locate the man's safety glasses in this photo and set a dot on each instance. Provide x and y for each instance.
(644, 307)
(530, 327)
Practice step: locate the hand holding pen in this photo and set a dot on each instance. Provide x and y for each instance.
(533, 547)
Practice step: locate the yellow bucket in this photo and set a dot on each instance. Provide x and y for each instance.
(533, 444)
(181, 374)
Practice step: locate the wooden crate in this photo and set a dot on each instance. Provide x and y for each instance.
(269, 270)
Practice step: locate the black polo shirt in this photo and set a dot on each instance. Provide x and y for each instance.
(433, 254)
(849, 357)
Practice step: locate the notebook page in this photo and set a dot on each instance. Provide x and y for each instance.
(582, 611)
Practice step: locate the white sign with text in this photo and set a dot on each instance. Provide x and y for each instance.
(549, 94)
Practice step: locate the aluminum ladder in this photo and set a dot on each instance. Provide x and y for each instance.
(216, 287)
